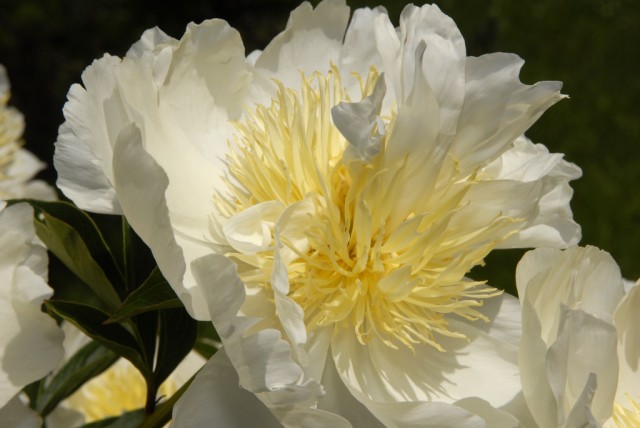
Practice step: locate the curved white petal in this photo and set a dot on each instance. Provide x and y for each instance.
(17, 165)
(141, 190)
(338, 399)
(497, 107)
(215, 397)
(442, 63)
(568, 361)
(627, 322)
(551, 224)
(360, 51)
(18, 181)
(425, 378)
(83, 150)
(311, 41)
(464, 370)
(4, 81)
(16, 414)
(30, 341)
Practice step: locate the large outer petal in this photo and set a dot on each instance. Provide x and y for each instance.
(181, 97)
(360, 50)
(215, 398)
(568, 357)
(181, 94)
(141, 185)
(30, 341)
(83, 149)
(442, 63)
(398, 385)
(627, 321)
(311, 41)
(497, 107)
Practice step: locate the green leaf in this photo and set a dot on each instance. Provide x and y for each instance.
(33, 391)
(208, 341)
(131, 419)
(73, 237)
(87, 363)
(91, 321)
(154, 293)
(177, 335)
(162, 414)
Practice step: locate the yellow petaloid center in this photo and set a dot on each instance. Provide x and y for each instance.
(10, 133)
(365, 258)
(627, 417)
(119, 389)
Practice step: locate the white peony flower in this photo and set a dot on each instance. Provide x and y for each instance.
(580, 339)
(30, 341)
(322, 202)
(17, 165)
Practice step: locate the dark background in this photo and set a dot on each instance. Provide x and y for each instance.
(590, 45)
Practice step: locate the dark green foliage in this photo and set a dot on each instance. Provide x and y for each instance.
(111, 291)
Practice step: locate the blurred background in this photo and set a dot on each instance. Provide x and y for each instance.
(593, 46)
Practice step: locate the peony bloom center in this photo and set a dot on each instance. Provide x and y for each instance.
(359, 255)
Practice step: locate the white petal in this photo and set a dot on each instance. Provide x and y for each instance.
(443, 63)
(585, 345)
(338, 399)
(360, 52)
(581, 415)
(504, 316)
(185, 122)
(552, 279)
(551, 223)
(358, 123)
(568, 299)
(16, 414)
(528, 162)
(627, 321)
(491, 416)
(421, 414)
(414, 140)
(30, 341)
(289, 312)
(5, 85)
(311, 41)
(380, 373)
(497, 107)
(216, 398)
(141, 185)
(148, 41)
(62, 417)
(83, 150)
(251, 230)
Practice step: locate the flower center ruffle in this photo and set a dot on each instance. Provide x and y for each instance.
(358, 262)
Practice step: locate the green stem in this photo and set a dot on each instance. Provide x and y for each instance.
(129, 271)
(152, 391)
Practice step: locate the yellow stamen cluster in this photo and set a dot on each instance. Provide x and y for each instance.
(367, 265)
(119, 389)
(627, 417)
